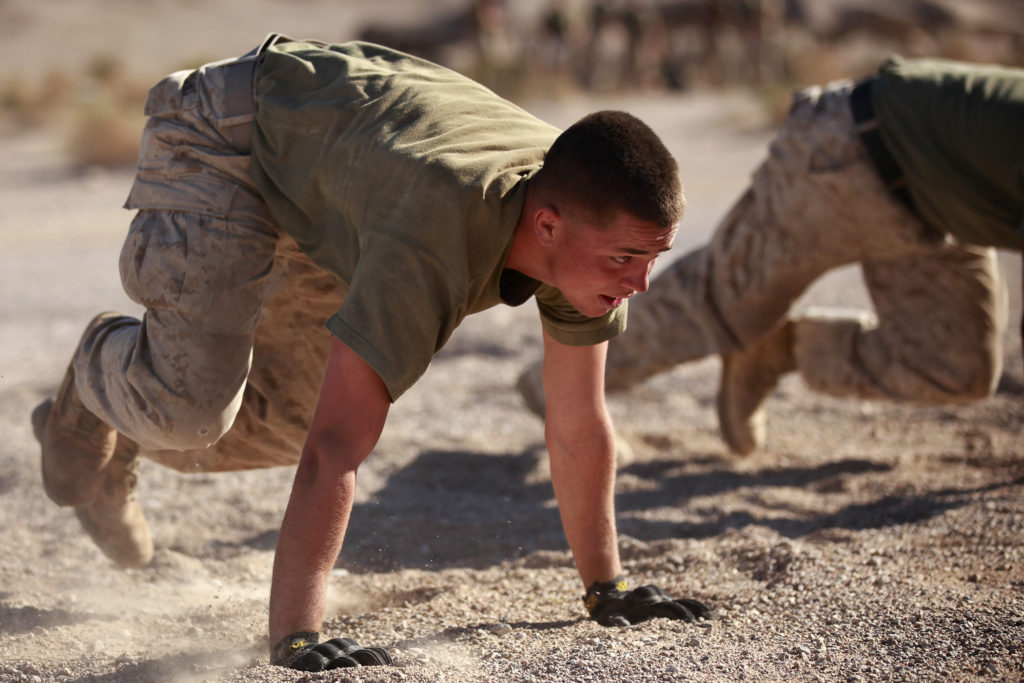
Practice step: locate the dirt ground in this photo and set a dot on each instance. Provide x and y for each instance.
(866, 542)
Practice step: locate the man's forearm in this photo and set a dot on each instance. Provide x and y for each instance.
(308, 545)
(583, 475)
(346, 424)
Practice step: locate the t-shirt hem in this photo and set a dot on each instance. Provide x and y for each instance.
(362, 348)
(588, 338)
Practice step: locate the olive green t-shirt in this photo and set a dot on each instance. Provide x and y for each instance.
(406, 180)
(957, 131)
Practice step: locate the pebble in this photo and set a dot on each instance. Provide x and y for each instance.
(499, 629)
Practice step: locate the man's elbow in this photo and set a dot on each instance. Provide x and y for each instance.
(334, 452)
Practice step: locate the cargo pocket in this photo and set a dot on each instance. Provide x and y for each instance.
(184, 164)
(165, 106)
(172, 260)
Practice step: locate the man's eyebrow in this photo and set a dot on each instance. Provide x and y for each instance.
(643, 252)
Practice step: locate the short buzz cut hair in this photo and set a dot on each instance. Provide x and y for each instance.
(609, 162)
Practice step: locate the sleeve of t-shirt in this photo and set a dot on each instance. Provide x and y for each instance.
(397, 314)
(567, 325)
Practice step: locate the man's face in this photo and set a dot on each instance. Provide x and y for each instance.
(597, 269)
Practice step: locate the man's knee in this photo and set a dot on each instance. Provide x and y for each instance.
(978, 380)
(170, 422)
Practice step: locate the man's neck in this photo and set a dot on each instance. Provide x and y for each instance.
(527, 255)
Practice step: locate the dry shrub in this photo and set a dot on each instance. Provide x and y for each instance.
(34, 102)
(815, 63)
(106, 135)
(985, 46)
(99, 111)
(106, 125)
(106, 130)
(16, 101)
(805, 67)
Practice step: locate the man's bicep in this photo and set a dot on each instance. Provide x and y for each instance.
(573, 375)
(353, 402)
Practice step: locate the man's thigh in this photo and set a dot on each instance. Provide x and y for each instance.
(290, 349)
(198, 257)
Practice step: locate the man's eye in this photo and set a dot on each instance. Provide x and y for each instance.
(622, 259)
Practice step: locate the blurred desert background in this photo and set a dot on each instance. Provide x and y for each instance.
(866, 542)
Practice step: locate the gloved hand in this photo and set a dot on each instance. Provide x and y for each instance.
(613, 604)
(300, 651)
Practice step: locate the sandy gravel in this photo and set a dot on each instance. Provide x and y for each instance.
(867, 542)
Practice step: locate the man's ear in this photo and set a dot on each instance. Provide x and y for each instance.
(546, 224)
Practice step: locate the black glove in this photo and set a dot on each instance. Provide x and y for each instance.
(613, 604)
(300, 651)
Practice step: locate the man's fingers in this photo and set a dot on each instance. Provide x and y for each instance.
(670, 609)
(334, 657)
(609, 605)
(646, 595)
(698, 608)
(311, 660)
(342, 662)
(648, 602)
(372, 656)
(346, 645)
(299, 651)
(359, 656)
(611, 618)
(383, 656)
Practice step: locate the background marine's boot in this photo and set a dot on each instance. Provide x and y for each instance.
(748, 377)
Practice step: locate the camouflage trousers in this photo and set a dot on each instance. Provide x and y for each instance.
(223, 370)
(815, 204)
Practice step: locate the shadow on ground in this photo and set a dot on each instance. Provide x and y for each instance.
(475, 510)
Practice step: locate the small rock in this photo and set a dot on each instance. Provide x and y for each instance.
(499, 629)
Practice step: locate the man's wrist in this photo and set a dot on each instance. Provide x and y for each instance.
(601, 590)
(291, 646)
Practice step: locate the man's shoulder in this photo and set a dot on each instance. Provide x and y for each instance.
(382, 91)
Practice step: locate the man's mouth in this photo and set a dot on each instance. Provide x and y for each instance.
(613, 302)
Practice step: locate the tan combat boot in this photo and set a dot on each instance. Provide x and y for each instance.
(114, 519)
(76, 445)
(88, 465)
(748, 377)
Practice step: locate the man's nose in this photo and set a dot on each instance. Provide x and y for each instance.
(639, 279)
